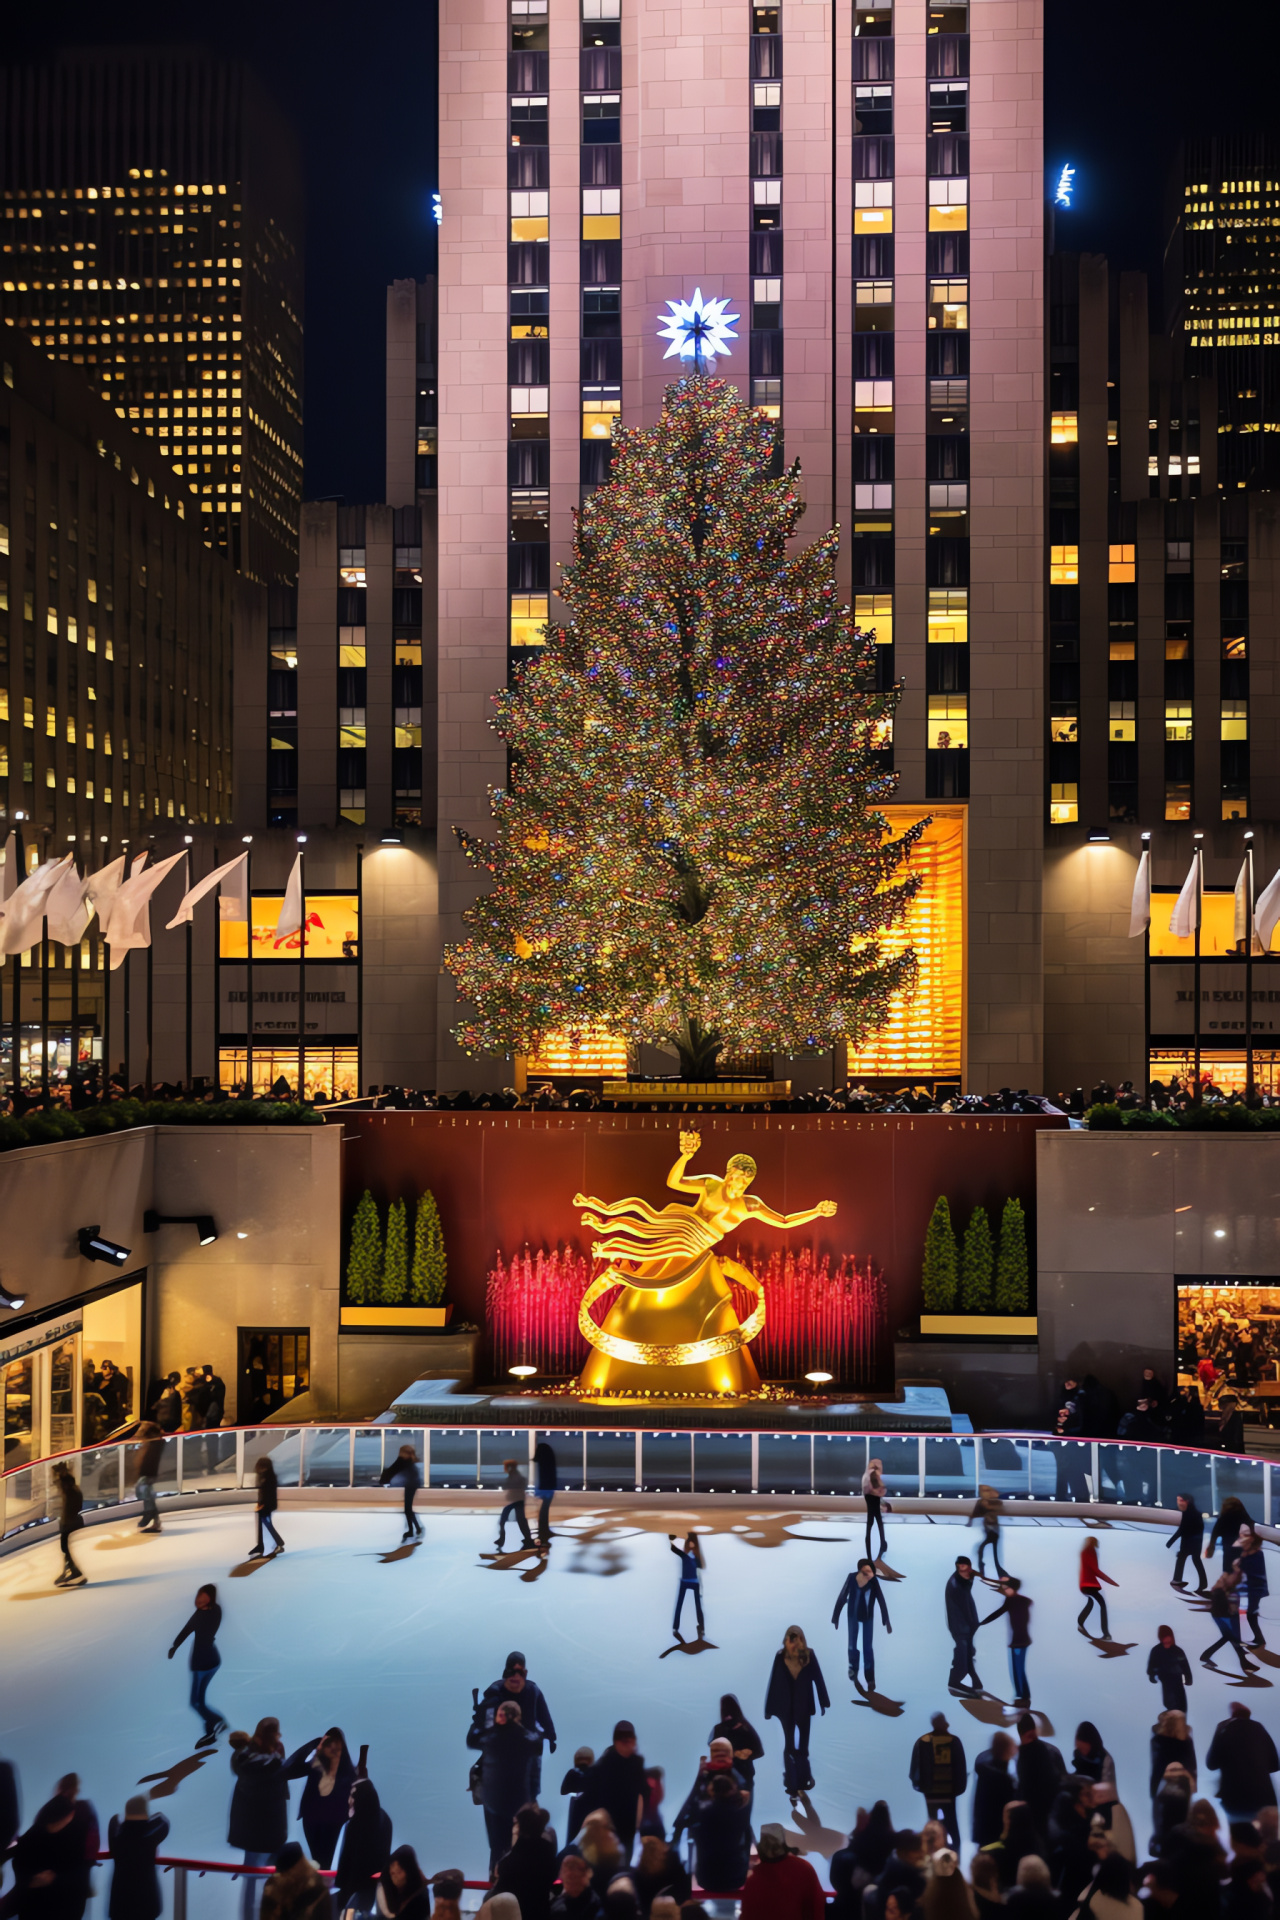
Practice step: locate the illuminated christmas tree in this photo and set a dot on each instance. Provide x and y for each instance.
(689, 850)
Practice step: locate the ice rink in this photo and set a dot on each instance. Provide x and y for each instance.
(349, 1628)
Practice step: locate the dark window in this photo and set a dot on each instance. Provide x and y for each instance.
(528, 167)
(873, 59)
(873, 356)
(601, 362)
(601, 260)
(946, 773)
(946, 669)
(351, 606)
(766, 354)
(766, 253)
(528, 568)
(406, 607)
(766, 57)
(600, 166)
(602, 120)
(527, 72)
(601, 69)
(872, 456)
(529, 464)
(872, 159)
(946, 355)
(948, 156)
(872, 256)
(948, 106)
(601, 313)
(597, 457)
(526, 264)
(528, 363)
(947, 254)
(946, 456)
(529, 120)
(282, 693)
(601, 33)
(873, 109)
(947, 56)
(766, 155)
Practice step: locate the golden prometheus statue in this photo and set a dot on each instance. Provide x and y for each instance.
(674, 1329)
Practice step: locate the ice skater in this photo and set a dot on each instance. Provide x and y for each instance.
(862, 1593)
(404, 1468)
(1224, 1605)
(70, 1518)
(796, 1691)
(1188, 1536)
(962, 1625)
(202, 1629)
(1168, 1664)
(267, 1502)
(987, 1509)
(546, 1484)
(1091, 1578)
(515, 1487)
(873, 1492)
(692, 1566)
(1252, 1567)
(1018, 1607)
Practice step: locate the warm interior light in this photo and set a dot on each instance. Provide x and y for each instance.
(522, 1373)
(819, 1379)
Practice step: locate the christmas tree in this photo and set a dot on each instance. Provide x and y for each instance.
(395, 1265)
(364, 1257)
(938, 1278)
(430, 1262)
(1013, 1281)
(977, 1264)
(689, 850)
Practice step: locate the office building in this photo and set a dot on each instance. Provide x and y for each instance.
(1222, 292)
(152, 236)
(872, 207)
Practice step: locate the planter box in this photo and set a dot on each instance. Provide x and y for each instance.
(712, 1093)
(979, 1326)
(394, 1319)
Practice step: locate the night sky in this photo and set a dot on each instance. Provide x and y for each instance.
(1125, 82)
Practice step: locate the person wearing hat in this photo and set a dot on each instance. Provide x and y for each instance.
(516, 1685)
(781, 1886)
(617, 1783)
(133, 1844)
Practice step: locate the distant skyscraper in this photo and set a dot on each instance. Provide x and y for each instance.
(151, 208)
(1222, 292)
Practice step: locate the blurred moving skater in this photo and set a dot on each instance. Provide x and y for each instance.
(202, 1628)
(70, 1518)
(268, 1500)
(404, 1468)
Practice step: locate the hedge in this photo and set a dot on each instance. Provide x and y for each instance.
(1215, 1119)
(59, 1123)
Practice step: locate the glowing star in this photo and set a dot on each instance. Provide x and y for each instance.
(1065, 188)
(698, 330)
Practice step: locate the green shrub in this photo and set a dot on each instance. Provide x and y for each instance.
(977, 1266)
(430, 1263)
(1013, 1275)
(395, 1264)
(938, 1277)
(364, 1258)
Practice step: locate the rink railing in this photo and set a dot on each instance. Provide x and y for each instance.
(791, 1465)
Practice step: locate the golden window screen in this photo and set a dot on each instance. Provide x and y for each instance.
(924, 1035)
(332, 927)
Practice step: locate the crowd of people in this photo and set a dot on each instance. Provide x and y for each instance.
(1089, 1409)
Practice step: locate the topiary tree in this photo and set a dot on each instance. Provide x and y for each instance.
(1013, 1278)
(364, 1257)
(395, 1265)
(430, 1262)
(938, 1277)
(977, 1268)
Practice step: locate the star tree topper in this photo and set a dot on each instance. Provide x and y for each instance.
(698, 329)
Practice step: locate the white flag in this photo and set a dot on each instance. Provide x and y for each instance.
(1266, 912)
(1140, 906)
(1185, 917)
(130, 924)
(9, 871)
(290, 921)
(101, 888)
(68, 910)
(232, 896)
(23, 923)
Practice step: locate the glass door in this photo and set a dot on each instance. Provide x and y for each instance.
(63, 1381)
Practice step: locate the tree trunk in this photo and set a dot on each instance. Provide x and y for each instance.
(699, 1051)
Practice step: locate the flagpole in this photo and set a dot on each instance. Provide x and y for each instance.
(302, 970)
(217, 983)
(248, 972)
(105, 971)
(1146, 979)
(359, 969)
(1199, 851)
(187, 889)
(1248, 971)
(150, 1004)
(44, 993)
(20, 857)
(128, 1027)
(73, 953)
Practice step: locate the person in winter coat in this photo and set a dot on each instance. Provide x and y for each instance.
(528, 1868)
(743, 1739)
(1018, 1608)
(1170, 1805)
(202, 1628)
(1019, 1839)
(862, 1593)
(721, 1827)
(70, 1520)
(691, 1567)
(617, 1784)
(946, 1894)
(507, 1751)
(1245, 1757)
(577, 1899)
(295, 1890)
(365, 1849)
(329, 1773)
(861, 1861)
(1168, 1664)
(546, 1484)
(1070, 1824)
(1091, 1579)
(987, 1510)
(133, 1844)
(1093, 1761)
(53, 1859)
(1224, 1605)
(1188, 1537)
(873, 1492)
(10, 1811)
(994, 1786)
(515, 1684)
(259, 1822)
(781, 1886)
(149, 1454)
(1040, 1774)
(719, 1761)
(796, 1691)
(514, 1489)
(573, 1783)
(1106, 1894)
(403, 1893)
(405, 1469)
(267, 1502)
(962, 1625)
(1233, 1517)
(1251, 1566)
(660, 1871)
(940, 1773)
(1172, 1745)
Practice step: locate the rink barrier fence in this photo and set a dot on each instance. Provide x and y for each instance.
(916, 1467)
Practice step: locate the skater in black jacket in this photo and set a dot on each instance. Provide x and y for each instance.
(1189, 1538)
(796, 1691)
(404, 1468)
(1168, 1664)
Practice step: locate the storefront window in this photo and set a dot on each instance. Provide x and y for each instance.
(72, 1380)
(331, 1073)
(18, 1390)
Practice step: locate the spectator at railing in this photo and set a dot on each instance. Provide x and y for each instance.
(295, 1890)
(259, 1821)
(55, 1856)
(403, 1893)
(134, 1843)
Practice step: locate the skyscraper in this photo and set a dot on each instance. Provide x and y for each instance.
(152, 234)
(871, 206)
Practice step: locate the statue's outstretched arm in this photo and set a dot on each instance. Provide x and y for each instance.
(689, 1144)
(759, 1211)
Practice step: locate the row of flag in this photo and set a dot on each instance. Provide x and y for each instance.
(56, 897)
(1185, 917)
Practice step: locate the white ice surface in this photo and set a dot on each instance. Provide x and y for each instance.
(332, 1632)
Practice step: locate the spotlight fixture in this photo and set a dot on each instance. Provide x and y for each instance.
(522, 1372)
(202, 1222)
(1098, 837)
(392, 840)
(94, 1247)
(1249, 833)
(186, 839)
(12, 1300)
(301, 839)
(820, 1379)
(1197, 836)
(1146, 838)
(246, 840)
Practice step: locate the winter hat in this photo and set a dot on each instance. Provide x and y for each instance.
(944, 1863)
(516, 1663)
(774, 1843)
